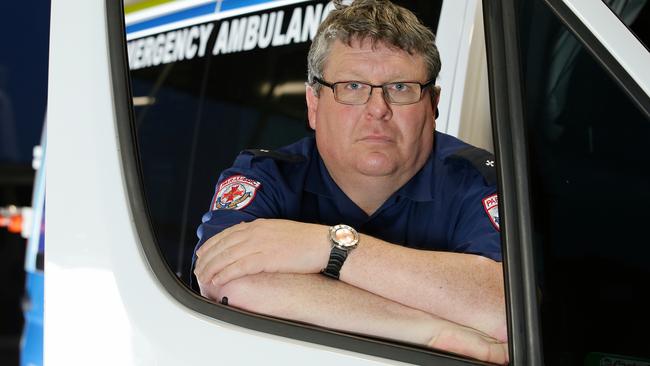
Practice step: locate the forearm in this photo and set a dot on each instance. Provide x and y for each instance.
(466, 289)
(318, 300)
(336, 305)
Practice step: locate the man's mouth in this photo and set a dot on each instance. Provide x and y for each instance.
(379, 139)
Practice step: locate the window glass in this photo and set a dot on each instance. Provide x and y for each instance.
(200, 97)
(590, 194)
(635, 14)
(197, 107)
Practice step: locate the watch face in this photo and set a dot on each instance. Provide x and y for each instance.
(344, 236)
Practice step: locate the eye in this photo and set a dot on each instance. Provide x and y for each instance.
(353, 85)
(400, 87)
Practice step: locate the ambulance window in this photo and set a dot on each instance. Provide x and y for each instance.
(590, 196)
(635, 15)
(197, 104)
(197, 107)
(166, 102)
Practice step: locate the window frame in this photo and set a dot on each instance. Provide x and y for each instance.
(123, 107)
(506, 107)
(622, 22)
(606, 59)
(511, 147)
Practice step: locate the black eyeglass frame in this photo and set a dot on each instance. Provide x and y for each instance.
(385, 94)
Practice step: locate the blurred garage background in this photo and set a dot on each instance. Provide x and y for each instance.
(24, 27)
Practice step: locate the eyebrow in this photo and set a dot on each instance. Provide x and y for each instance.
(352, 76)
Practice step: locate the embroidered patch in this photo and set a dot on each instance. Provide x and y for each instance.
(491, 206)
(235, 193)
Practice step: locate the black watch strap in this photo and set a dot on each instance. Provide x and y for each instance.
(337, 257)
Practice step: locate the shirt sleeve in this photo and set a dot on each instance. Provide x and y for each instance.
(250, 189)
(477, 225)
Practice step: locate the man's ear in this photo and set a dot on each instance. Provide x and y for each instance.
(312, 105)
(435, 100)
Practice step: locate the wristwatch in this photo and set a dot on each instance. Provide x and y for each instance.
(344, 239)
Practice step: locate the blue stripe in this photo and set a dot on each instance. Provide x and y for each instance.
(191, 13)
(173, 17)
(234, 4)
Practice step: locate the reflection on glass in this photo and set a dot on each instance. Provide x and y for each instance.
(590, 189)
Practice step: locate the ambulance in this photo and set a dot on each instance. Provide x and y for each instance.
(146, 107)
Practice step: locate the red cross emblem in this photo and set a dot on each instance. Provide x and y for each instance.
(233, 193)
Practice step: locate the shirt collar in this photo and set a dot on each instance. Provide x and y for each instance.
(318, 179)
(321, 183)
(420, 187)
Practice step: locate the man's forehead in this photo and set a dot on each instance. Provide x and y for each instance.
(368, 46)
(363, 57)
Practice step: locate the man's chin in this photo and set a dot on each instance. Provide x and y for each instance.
(376, 169)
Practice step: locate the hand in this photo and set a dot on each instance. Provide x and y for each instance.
(471, 343)
(264, 245)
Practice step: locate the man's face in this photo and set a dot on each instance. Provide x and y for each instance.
(375, 139)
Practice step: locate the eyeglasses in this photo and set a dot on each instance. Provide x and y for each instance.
(357, 92)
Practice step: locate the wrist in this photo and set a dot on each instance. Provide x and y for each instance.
(343, 240)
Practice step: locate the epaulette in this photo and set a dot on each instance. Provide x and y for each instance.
(480, 159)
(276, 155)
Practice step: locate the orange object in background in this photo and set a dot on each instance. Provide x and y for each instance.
(15, 224)
(12, 218)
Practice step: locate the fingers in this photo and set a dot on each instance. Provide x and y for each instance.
(224, 252)
(503, 349)
(209, 265)
(246, 266)
(233, 248)
(220, 237)
(496, 353)
(217, 244)
(240, 250)
(232, 264)
(471, 343)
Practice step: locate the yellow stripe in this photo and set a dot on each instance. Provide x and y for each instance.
(144, 5)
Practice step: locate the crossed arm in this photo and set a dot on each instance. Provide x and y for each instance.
(271, 266)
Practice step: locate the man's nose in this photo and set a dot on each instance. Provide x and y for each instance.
(377, 105)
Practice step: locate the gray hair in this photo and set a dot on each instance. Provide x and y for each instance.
(379, 21)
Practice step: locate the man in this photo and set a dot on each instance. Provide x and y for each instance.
(418, 252)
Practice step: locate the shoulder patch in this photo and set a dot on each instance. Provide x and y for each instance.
(491, 206)
(235, 193)
(276, 155)
(480, 159)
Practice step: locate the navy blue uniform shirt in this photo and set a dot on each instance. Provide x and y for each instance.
(449, 205)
